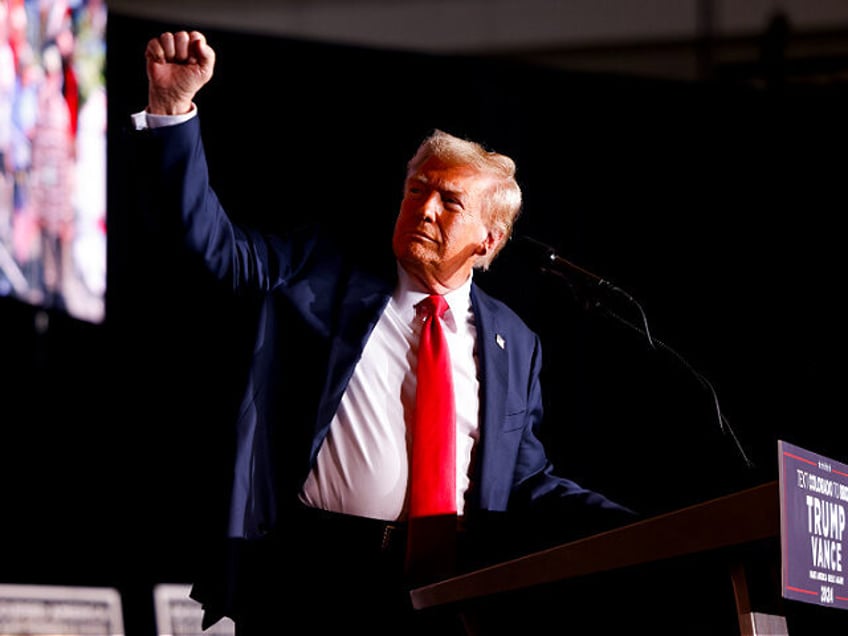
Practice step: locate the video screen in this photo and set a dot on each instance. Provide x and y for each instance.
(53, 154)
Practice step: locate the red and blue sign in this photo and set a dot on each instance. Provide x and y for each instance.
(814, 527)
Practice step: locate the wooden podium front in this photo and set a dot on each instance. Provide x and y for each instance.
(738, 534)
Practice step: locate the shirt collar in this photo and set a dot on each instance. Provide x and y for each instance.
(408, 294)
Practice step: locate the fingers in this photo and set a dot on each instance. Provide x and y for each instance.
(155, 51)
(198, 47)
(179, 47)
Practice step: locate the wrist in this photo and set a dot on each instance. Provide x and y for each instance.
(169, 107)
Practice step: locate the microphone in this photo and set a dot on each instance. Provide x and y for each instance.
(549, 262)
(546, 258)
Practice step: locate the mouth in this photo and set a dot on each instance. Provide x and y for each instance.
(417, 235)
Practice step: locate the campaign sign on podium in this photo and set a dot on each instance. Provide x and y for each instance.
(813, 503)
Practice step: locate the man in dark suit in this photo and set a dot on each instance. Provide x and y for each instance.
(319, 504)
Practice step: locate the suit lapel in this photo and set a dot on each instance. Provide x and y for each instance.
(363, 301)
(494, 380)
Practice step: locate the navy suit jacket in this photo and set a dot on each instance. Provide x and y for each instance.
(317, 302)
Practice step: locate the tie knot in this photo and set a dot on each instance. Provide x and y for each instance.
(433, 305)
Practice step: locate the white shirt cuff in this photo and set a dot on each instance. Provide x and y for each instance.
(143, 119)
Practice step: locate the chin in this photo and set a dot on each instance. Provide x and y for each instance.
(417, 251)
(417, 260)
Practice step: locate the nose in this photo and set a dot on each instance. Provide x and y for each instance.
(431, 206)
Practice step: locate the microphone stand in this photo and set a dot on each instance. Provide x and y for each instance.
(555, 265)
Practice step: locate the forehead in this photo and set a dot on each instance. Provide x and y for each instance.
(451, 177)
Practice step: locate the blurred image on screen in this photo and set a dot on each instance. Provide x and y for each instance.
(53, 154)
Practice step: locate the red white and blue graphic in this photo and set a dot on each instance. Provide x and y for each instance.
(813, 511)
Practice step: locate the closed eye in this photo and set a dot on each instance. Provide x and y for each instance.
(453, 203)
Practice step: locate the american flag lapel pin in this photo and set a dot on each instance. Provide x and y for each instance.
(500, 340)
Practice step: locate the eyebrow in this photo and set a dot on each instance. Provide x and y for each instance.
(445, 186)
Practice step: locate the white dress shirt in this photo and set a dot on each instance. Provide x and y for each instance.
(362, 467)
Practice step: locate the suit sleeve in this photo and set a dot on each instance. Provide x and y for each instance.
(554, 508)
(174, 160)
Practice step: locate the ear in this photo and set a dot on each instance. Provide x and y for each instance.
(489, 241)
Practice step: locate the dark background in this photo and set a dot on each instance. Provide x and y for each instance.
(715, 207)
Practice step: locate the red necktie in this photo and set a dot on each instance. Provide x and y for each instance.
(432, 471)
(433, 462)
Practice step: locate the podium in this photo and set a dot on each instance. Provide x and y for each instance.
(736, 536)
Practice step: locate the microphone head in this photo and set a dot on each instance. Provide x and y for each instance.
(534, 252)
(545, 258)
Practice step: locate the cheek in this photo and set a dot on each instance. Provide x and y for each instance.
(401, 230)
(401, 237)
(460, 233)
(405, 217)
(397, 239)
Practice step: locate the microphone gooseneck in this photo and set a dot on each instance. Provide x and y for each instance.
(587, 283)
(548, 261)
